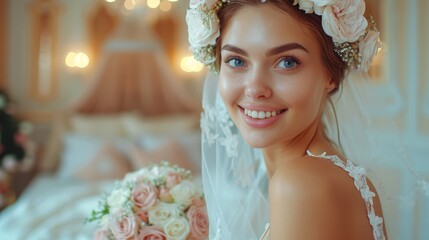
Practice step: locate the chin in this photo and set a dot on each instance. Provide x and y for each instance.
(256, 141)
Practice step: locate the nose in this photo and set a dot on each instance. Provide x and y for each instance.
(258, 88)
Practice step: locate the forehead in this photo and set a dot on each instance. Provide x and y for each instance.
(266, 26)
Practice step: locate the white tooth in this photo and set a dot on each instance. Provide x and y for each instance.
(245, 111)
(261, 115)
(268, 114)
(273, 113)
(254, 114)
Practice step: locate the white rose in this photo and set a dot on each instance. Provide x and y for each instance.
(162, 213)
(368, 48)
(306, 5)
(196, 3)
(203, 30)
(344, 20)
(320, 5)
(177, 229)
(118, 198)
(184, 192)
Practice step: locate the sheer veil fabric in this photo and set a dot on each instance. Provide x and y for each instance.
(234, 174)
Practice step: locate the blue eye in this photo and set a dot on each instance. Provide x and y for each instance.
(235, 62)
(288, 63)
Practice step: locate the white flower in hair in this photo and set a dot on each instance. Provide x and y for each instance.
(203, 29)
(368, 48)
(306, 5)
(344, 21)
(197, 3)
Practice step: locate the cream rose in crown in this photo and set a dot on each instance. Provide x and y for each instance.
(161, 202)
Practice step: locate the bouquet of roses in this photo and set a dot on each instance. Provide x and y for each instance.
(159, 202)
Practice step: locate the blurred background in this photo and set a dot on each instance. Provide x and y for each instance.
(91, 89)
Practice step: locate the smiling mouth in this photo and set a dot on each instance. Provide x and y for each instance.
(262, 114)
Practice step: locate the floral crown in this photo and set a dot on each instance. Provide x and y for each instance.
(356, 41)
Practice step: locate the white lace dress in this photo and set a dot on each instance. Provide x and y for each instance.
(359, 176)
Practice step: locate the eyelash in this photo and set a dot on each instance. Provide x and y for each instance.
(288, 58)
(229, 58)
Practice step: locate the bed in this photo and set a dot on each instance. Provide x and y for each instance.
(84, 157)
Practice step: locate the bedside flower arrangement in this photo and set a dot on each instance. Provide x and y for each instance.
(16, 149)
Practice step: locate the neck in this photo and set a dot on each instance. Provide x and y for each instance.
(311, 139)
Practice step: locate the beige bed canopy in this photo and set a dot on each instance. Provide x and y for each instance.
(133, 73)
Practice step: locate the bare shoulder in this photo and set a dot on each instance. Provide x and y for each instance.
(311, 198)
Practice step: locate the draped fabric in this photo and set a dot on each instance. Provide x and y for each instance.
(134, 74)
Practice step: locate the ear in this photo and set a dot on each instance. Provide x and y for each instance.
(330, 85)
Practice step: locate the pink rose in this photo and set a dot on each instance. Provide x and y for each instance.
(151, 233)
(198, 220)
(173, 179)
(101, 234)
(144, 196)
(344, 21)
(123, 226)
(368, 48)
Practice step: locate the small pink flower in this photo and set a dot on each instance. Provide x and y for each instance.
(143, 216)
(144, 196)
(151, 233)
(101, 234)
(173, 178)
(20, 139)
(198, 220)
(123, 226)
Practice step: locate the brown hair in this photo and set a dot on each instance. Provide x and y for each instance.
(333, 63)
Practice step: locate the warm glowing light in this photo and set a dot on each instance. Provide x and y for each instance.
(172, 0)
(129, 4)
(153, 3)
(70, 59)
(165, 6)
(110, 1)
(82, 60)
(189, 64)
(79, 60)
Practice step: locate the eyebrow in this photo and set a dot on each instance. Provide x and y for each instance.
(285, 48)
(273, 51)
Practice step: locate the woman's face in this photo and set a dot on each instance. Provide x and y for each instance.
(272, 78)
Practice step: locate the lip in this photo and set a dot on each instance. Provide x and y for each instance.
(260, 123)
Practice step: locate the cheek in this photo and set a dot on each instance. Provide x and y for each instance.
(229, 90)
(303, 95)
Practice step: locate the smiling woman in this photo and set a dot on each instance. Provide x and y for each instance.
(287, 139)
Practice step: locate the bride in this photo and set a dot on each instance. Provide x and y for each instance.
(283, 114)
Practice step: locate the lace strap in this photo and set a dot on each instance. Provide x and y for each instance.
(360, 181)
(266, 234)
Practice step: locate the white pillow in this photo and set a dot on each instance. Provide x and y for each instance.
(190, 141)
(136, 125)
(104, 126)
(78, 149)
